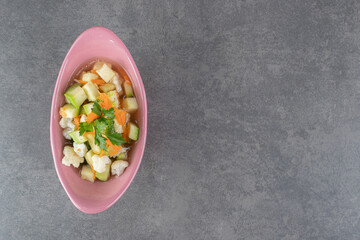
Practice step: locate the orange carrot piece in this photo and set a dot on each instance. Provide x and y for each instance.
(125, 134)
(98, 81)
(82, 81)
(91, 117)
(105, 101)
(94, 71)
(120, 117)
(124, 75)
(77, 121)
(113, 149)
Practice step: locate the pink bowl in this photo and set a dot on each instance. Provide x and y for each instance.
(101, 43)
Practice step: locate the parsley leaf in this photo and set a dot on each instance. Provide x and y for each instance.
(96, 109)
(104, 127)
(84, 127)
(115, 138)
(100, 140)
(101, 125)
(108, 113)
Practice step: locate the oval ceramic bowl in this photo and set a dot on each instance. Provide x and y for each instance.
(101, 43)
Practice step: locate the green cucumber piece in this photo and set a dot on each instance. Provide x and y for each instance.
(133, 131)
(122, 156)
(128, 89)
(130, 105)
(104, 176)
(91, 139)
(87, 173)
(88, 107)
(113, 97)
(91, 91)
(75, 95)
(88, 157)
(75, 135)
(69, 111)
(82, 110)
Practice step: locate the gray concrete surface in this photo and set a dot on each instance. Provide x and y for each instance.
(254, 119)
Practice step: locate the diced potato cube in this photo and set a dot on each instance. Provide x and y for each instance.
(88, 76)
(99, 64)
(107, 87)
(106, 73)
(130, 105)
(87, 173)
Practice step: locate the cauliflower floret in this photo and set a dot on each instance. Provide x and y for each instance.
(67, 123)
(99, 163)
(70, 157)
(118, 167)
(83, 118)
(117, 80)
(66, 132)
(118, 127)
(80, 149)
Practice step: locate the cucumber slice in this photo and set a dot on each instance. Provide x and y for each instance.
(75, 95)
(69, 111)
(107, 87)
(91, 138)
(106, 73)
(133, 131)
(88, 107)
(104, 176)
(88, 157)
(113, 97)
(122, 156)
(91, 91)
(130, 105)
(88, 76)
(75, 135)
(87, 173)
(128, 89)
(82, 110)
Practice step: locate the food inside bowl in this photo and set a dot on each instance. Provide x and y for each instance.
(98, 120)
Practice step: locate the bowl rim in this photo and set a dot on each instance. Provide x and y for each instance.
(54, 111)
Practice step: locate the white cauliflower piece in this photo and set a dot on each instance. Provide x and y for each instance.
(117, 80)
(118, 167)
(99, 163)
(118, 128)
(66, 132)
(83, 118)
(80, 149)
(67, 123)
(70, 157)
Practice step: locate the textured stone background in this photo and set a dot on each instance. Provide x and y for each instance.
(254, 119)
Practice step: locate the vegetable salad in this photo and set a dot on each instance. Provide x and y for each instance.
(98, 120)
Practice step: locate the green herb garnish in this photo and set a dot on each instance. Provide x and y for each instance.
(104, 127)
